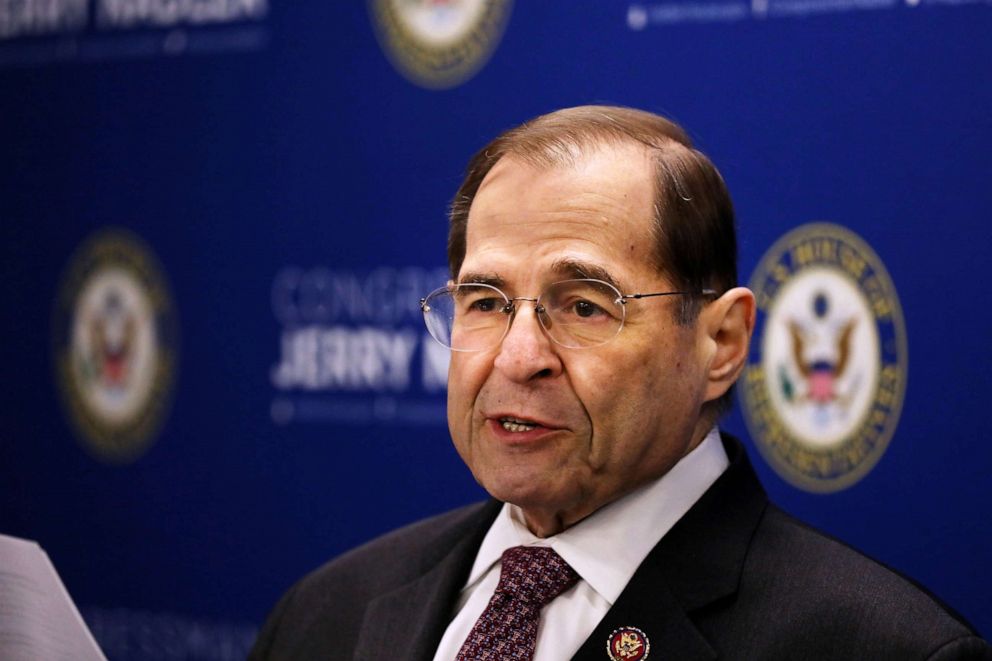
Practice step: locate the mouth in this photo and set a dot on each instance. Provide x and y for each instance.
(517, 425)
(515, 428)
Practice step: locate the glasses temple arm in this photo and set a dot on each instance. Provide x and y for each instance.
(702, 292)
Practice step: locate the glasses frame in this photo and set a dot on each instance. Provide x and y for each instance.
(510, 308)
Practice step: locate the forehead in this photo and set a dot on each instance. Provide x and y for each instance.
(597, 210)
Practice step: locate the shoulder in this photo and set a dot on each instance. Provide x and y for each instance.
(333, 597)
(374, 566)
(798, 593)
(816, 590)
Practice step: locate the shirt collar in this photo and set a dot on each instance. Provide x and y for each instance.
(606, 548)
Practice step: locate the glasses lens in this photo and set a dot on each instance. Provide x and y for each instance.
(467, 317)
(582, 313)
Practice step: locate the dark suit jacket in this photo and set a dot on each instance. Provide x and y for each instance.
(736, 578)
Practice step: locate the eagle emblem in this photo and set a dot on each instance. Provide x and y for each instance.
(821, 353)
(628, 644)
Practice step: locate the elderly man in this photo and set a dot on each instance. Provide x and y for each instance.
(596, 331)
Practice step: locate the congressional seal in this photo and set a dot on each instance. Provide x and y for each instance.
(439, 44)
(824, 386)
(115, 345)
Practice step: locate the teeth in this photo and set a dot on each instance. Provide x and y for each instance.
(516, 425)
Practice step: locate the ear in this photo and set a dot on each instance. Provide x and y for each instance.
(728, 323)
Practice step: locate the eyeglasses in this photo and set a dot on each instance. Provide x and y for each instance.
(578, 314)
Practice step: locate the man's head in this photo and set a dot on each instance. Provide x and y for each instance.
(692, 233)
(618, 195)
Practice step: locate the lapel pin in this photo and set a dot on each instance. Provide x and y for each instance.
(628, 644)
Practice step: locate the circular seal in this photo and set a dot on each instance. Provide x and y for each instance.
(824, 385)
(628, 644)
(115, 345)
(439, 43)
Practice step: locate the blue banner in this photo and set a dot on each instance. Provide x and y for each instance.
(218, 217)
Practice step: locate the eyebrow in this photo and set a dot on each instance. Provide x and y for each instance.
(578, 269)
(566, 268)
(491, 279)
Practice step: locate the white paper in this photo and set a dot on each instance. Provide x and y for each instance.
(37, 617)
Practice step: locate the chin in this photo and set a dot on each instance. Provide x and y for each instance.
(522, 495)
(528, 493)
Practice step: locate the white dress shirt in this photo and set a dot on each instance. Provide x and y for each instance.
(604, 549)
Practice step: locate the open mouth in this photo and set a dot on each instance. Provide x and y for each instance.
(517, 425)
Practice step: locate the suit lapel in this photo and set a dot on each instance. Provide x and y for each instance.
(408, 622)
(697, 563)
(649, 605)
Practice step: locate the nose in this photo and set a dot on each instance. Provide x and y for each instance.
(527, 353)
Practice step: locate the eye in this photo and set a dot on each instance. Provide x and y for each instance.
(581, 302)
(478, 300)
(582, 310)
(485, 305)
(586, 309)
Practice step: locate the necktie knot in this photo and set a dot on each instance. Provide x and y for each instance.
(534, 575)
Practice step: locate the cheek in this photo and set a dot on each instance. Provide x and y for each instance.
(626, 394)
(466, 374)
(606, 389)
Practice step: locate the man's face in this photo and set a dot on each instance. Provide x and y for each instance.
(608, 418)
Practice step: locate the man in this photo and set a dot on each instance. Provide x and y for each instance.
(596, 331)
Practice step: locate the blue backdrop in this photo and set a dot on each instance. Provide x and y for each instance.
(289, 177)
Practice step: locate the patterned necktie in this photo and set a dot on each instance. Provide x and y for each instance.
(531, 577)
